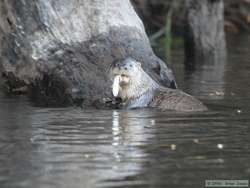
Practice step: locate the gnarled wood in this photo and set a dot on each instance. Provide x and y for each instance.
(61, 49)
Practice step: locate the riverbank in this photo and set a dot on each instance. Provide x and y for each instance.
(154, 13)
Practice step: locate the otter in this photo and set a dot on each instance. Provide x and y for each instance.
(137, 90)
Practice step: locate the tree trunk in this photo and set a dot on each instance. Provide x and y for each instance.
(205, 39)
(61, 49)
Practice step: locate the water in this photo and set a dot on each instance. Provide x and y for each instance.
(72, 148)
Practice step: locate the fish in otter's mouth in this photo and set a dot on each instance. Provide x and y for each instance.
(119, 81)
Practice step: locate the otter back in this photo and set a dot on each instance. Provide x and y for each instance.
(169, 99)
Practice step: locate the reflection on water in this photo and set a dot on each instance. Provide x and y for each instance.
(70, 147)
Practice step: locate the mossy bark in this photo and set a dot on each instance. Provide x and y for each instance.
(61, 49)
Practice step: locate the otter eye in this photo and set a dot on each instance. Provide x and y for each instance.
(131, 65)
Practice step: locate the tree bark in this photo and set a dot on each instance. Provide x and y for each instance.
(205, 38)
(61, 49)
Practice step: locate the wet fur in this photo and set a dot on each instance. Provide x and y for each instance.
(143, 91)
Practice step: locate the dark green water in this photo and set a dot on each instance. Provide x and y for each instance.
(73, 148)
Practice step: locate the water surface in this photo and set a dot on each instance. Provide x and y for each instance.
(71, 147)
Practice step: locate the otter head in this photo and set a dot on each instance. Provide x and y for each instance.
(128, 70)
(126, 76)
